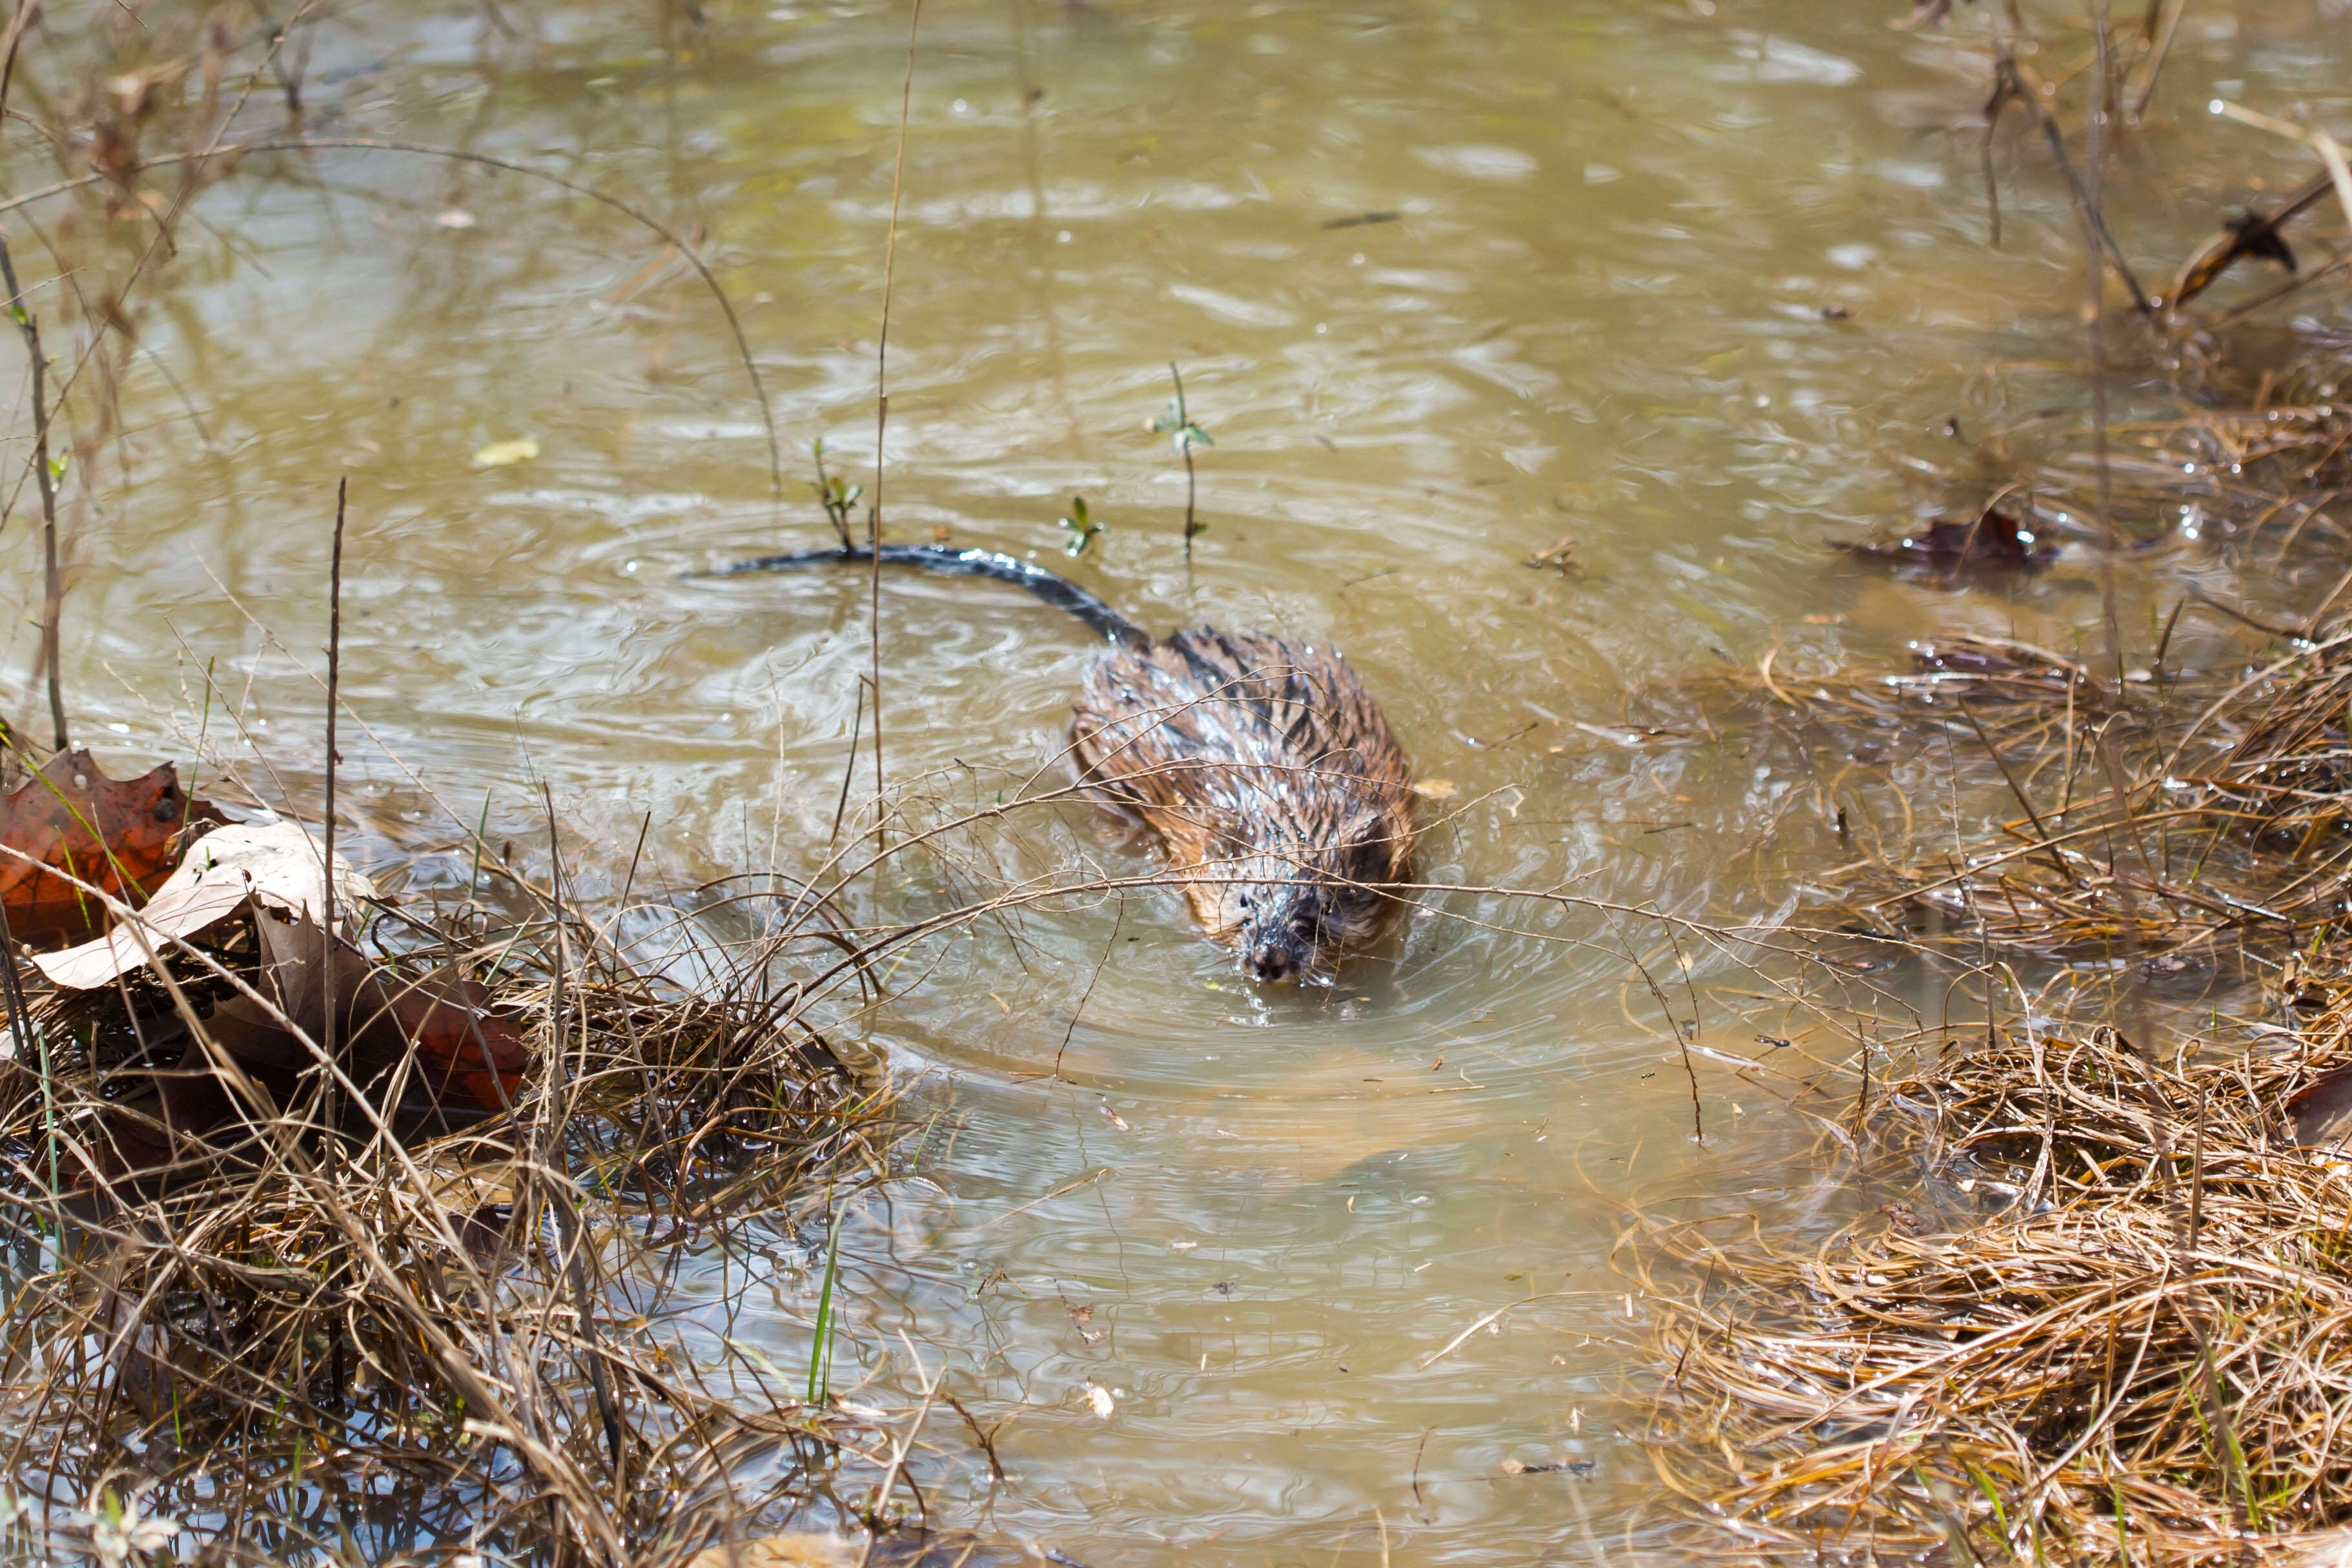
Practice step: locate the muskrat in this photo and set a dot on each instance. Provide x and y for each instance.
(1267, 773)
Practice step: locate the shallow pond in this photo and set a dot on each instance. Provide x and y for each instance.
(1694, 288)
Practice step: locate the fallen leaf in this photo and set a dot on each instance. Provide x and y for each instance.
(117, 834)
(1991, 538)
(2332, 1549)
(426, 1051)
(275, 865)
(469, 1063)
(2319, 1109)
(1435, 790)
(138, 1348)
(1557, 555)
(504, 454)
(1099, 1400)
(797, 1551)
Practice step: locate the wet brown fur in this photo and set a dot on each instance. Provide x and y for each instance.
(1284, 801)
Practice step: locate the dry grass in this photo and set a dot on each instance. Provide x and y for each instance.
(477, 1343)
(2111, 1321)
(2096, 1305)
(2092, 1302)
(2167, 814)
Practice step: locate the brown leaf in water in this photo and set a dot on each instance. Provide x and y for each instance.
(2249, 236)
(1991, 538)
(474, 1060)
(174, 1123)
(118, 835)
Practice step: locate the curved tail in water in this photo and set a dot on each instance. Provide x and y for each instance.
(1058, 591)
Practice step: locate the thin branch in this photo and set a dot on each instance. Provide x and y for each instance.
(882, 416)
(46, 478)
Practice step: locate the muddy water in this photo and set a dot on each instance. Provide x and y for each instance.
(1690, 289)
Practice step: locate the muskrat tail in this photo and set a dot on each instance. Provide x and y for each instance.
(1058, 591)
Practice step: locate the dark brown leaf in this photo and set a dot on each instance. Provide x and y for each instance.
(1991, 538)
(471, 1063)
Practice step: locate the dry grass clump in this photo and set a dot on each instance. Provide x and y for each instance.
(2262, 446)
(2140, 1352)
(2154, 815)
(282, 1343)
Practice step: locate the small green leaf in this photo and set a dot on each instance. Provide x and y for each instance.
(1080, 526)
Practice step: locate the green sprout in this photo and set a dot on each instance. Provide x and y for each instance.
(835, 494)
(1184, 433)
(1080, 528)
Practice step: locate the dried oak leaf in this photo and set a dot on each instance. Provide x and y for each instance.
(118, 835)
(272, 865)
(470, 1059)
(2321, 1108)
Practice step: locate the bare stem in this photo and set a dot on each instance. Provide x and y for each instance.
(335, 685)
(882, 415)
(1184, 445)
(46, 477)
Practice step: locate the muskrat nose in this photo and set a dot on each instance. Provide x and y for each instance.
(1273, 962)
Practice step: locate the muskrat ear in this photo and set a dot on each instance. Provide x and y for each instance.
(1366, 850)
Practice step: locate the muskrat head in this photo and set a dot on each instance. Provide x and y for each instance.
(1281, 931)
(1298, 913)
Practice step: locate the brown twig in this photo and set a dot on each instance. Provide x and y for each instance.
(882, 420)
(329, 1117)
(45, 477)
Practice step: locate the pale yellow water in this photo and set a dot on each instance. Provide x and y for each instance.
(1256, 1221)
